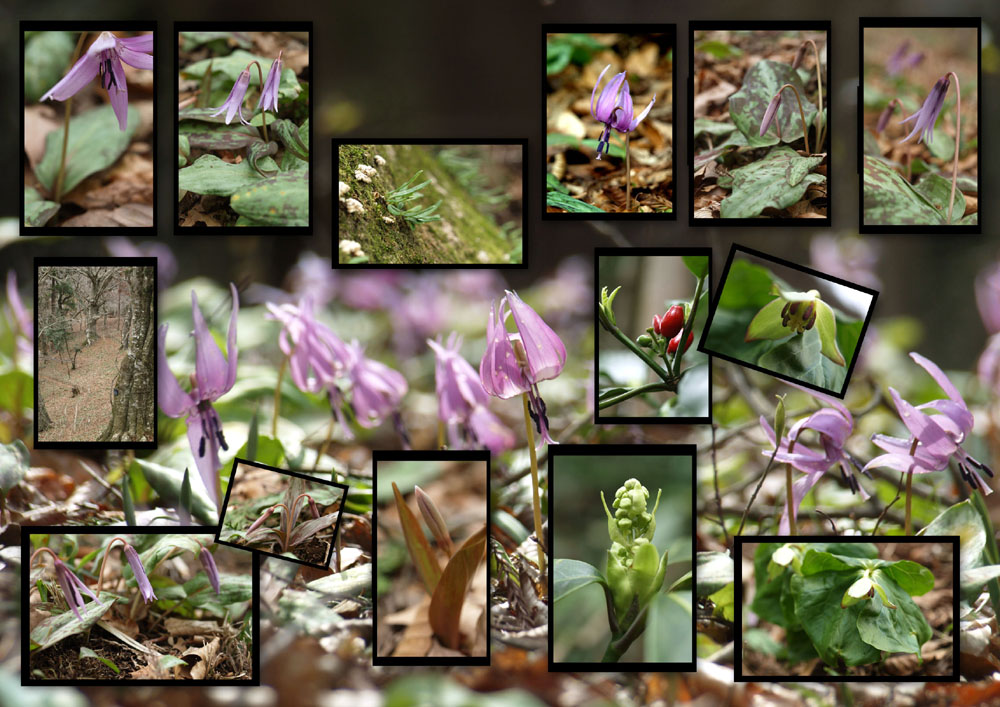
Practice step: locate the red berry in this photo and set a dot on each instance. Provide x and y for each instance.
(672, 346)
(670, 323)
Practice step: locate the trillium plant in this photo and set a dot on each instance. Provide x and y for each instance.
(660, 347)
(447, 586)
(794, 313)
(840, 602)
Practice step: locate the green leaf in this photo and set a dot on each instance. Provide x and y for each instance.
(669, 625)
(704, 126)
(351, 582)
(962, 520)
(170, 661)
(719, 50)
(416, 542)
(217, 137)
(942, 145)
(14, 463)
(913, 578)
(724, 603)
(826, 325)
(204, 115)
(446, 603)
(281, 200)
(37, 211)
(697, 264)
(46, 57)
(183, 150)
(571, 575)
(748, 105)
(289, 135)
(211, 175)
(715, 571)
(568, 203)
(166, 545)
(766, 324)
(973, 580)
(903, 629)
(889, 200)
(89, 653)
(61, 626)
(95, 143)
(127, 506)
(167, 483)
(253, 437)
(257, 151)
(777, 181)
(553, 184)
(801, 359)
(937, 190)
(832, 630)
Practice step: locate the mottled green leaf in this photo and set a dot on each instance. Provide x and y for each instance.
(704, 126)
(889, 200)
(37, 211)
(281, 200)
(212, 175)
(748, 105)
(218, 137)
(937, 190)
(288, 133)
(95, 143)
(61, 626)
(777, 181)
(257, 151)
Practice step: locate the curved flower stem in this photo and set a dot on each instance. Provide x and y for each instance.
(277, 398)
(618, 645)
(263, 113)
(820, 123)
(41, 549)
(441, 434)
(61, 174)
(790, 502)
(634, 348)
(954, 169)
(628, 175)
(536, 501)
(326, 444)
(107, 551)
(640, 390)
(675, 364)
(907, 524)
(802, 115)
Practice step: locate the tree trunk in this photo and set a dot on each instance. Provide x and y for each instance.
(93, 314)
(43, 420)
(133, 406)
(126, 326)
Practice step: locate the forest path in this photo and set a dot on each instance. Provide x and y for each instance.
(83, 417)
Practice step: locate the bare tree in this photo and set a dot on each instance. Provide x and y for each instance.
(133, 406)
(101, 279)
(42, 418)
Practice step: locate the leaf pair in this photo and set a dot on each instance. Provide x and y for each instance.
(448, 587)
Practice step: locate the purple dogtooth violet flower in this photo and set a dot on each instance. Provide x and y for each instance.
(208, 562)
(316, 356)
(462, 400)
(20, 321)
(902, 59)
(376, 389)
(614, 108)
(269, 93)
(514, 363)
(833, 426)
(988, 302)
(145, 588)
(213, 377)
(770, 112)
(105, 57)
(234, 103)
(935, 439)
(928, 113)
(71, 586)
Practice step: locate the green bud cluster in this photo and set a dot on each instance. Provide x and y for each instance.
(635, 569)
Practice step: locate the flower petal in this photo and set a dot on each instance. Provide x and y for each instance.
(82, 73)
(594, 92)
(939, 377)
(171, 397)
(119, 102)
(136, 59)
(208, 463)
(498, 369)
(139, 43)
(543, 348)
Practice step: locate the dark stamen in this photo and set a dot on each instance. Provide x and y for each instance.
(201, 447)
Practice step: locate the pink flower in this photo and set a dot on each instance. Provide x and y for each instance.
(614, 108)
(213, 377)
(105, 56)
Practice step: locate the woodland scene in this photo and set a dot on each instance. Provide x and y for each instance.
(95, 344)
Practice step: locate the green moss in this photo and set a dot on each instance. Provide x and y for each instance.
(458, 237)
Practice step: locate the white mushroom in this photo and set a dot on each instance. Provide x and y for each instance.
(344, 188)
(389, 219)
(351, 249)
(354, 206)
(380, 160)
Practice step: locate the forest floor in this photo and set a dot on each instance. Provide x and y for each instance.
(83, 416)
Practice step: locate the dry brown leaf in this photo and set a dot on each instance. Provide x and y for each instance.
(206, 656)
(39, 121)
(129, 215)
(643, 61)
(712, 96)
(190, 627)
(418, 637)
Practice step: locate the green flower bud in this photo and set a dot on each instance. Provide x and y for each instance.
(621, 513)
(779, 418)
(644, 340)
(620, 584)
(624, 524)
(613, 532)
(625, 502)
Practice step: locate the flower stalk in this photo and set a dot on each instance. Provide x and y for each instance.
(536, 501)
(61, 175)
(820, 123)
(958, 135)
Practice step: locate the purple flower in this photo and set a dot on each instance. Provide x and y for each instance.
(260, 521)
(987, 297)
(902, 59)
(269, 94)
(208, 562)
(234, 104)
(935, 439)
(376, 389)
(213, 377)
(105, 56)
(145, 588)
(20, 321)
(928, 113)
(71, 586)
(833, 425)
(462, 400)
(614, 108)
(312, 275)
(770, 112)
(315, 354)
(514, 363)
